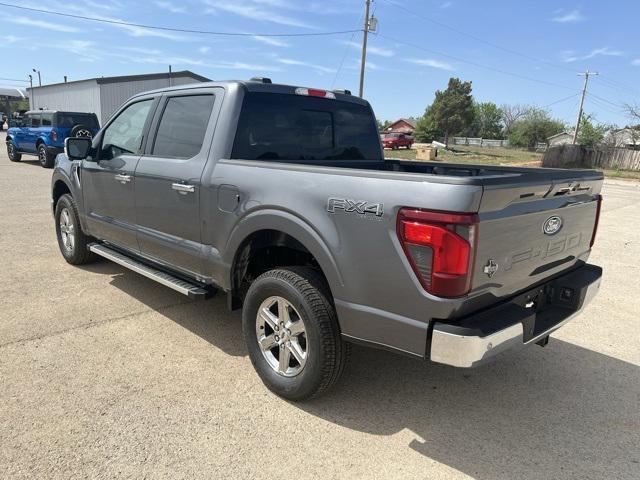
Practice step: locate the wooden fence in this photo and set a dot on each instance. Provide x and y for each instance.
(577, 156)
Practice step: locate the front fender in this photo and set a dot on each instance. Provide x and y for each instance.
(292, 225)
(65, 172)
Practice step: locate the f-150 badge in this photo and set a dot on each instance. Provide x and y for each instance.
(361, 207)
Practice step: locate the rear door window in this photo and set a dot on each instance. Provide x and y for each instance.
(47, 119)
(295, 127)
(183, 125)
(34, 120)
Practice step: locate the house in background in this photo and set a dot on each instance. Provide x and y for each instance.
(562, 138)
(404, 125)
(628, 137)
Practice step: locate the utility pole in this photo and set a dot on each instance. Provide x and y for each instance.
(584, 92)
(365, 33)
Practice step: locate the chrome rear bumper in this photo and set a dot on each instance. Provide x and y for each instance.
(526, 319)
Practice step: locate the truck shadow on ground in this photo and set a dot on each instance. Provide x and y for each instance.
(559, 412)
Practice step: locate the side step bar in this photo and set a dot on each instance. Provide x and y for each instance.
(177, 284)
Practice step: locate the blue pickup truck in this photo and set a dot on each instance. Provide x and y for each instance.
(43, 132)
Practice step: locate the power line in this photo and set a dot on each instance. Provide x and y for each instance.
(504, 72)
(616, 105)
(479, 39)
(559, 101)
(180, 30)
(14, 80)
(347, 48)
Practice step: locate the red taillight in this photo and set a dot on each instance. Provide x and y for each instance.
(54, 135)
(440, 247)
(595, 225)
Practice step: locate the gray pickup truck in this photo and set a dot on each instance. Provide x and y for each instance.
(280, 196)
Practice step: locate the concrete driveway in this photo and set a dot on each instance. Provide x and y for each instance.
(105, 374)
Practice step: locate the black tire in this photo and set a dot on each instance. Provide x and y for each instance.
(80, 131)
(73, 250)
(12, 153)
(45, 158)
(308, 294)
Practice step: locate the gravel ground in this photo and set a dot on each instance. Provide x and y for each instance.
(105, 374)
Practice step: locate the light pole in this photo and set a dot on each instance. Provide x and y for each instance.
(39, 77)
(31, 99)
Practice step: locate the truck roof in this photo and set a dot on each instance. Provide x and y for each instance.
(257, 86)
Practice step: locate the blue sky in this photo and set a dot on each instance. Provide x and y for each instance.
(524, 52)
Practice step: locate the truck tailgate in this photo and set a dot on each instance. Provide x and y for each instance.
(530, 232)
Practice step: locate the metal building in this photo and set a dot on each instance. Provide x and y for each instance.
(103, 95)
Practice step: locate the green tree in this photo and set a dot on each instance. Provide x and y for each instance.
(426, 128)
(383, 124)
(488, 120)
(590, 134)
(533, 127)
(452, 110)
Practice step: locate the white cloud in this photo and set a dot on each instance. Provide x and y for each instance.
(636, 62)
(430, 62)
(446, 5)
(170, 6)
(382, 51)
(271, 41)
(572, 56)
(568, 17)
(255, 10)
(204, 49)
(300, 63)
(31, 22)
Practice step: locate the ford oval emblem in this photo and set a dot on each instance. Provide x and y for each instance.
(552, 225)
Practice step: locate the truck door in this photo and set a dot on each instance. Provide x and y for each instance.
(108, 181)
(29, 133)
(168, 179)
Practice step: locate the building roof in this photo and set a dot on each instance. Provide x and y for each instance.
(134, 78)
(13, 92)
(410, 121)
(560, 134)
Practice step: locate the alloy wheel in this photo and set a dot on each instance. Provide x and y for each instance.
(282, 336)
(67, 230)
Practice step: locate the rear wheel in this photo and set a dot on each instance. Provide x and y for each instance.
(291, 331)
(13, 153)
(71, 239)
(45, 158)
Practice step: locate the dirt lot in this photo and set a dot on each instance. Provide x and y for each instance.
(105, 374)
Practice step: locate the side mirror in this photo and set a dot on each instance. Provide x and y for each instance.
(78, 148)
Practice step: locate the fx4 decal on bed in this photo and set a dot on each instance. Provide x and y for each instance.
(361, 207)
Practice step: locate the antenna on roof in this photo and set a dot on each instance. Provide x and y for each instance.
(170, 76)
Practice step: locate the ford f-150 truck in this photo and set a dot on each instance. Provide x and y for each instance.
(280, 197)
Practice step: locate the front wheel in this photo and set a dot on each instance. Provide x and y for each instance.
(71, 239)
(292, 335)
(13, 153)
(46, 159)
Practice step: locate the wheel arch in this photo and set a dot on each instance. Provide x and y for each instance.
(59, 188)
(284, 239)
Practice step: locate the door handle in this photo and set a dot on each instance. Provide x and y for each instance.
(122, 178)
(182, 188)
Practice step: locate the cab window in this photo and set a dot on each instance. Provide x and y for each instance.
(124, 135)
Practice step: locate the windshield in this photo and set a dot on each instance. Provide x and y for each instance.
(69, 120)
(294, 127)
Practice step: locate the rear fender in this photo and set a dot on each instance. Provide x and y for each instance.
(292, 225)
